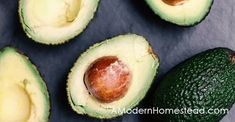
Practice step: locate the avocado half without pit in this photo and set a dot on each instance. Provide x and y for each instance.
(55, 21)
(23, 93)
(111, 76)
(181, 12)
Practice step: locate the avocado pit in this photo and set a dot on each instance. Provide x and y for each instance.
(174, 2)
(108, 79)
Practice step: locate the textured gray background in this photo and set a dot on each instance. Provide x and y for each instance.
(173, 44)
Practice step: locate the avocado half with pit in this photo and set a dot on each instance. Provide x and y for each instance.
(23, 93)
(112, 76)
(55, 21)
(181, 12)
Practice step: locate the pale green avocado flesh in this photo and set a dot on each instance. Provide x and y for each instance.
(181, 12)
(131, 49)
(55, 21)
(23, 93)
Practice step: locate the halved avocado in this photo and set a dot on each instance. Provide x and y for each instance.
(23, 93)
(112, 76)
(181, 12)
(55, 21)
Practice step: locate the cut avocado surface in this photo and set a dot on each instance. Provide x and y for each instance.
(55, 21)
(23, 93)
(112, 75)
(201, 83)
(181, 12)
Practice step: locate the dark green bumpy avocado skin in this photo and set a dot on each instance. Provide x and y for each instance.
(204, 81)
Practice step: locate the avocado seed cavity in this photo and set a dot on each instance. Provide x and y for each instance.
(15, 104)
(174, 2)
(108, 79)
(55, 13)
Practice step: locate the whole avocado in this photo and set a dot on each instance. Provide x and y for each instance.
(204, 82)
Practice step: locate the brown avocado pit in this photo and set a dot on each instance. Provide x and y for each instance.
(174, 2)
(108, 79)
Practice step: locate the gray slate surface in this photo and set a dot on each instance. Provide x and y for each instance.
(172, 43)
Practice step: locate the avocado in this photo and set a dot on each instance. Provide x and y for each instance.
(203, 83)
(112, 76)
(23, 93)
(181, 12)
(55, 21)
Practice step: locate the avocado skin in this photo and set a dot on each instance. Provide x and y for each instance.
(206, 80)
